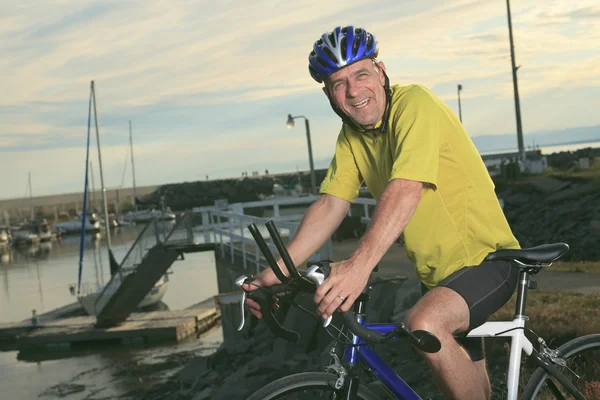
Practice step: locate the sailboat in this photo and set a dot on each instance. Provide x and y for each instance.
(87, 294)
(144, 216)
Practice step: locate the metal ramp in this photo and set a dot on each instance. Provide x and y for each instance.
(146, 262)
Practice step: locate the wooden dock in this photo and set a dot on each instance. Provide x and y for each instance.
(139, 327)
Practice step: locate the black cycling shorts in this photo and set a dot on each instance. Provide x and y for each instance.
(485, 288)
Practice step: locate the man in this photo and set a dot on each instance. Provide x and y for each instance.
(430, 184)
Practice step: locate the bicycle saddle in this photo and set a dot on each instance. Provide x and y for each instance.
(545, 253)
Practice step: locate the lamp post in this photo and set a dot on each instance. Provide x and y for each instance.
(290, 124)
(459, 109)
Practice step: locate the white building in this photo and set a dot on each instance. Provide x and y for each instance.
(535, 162)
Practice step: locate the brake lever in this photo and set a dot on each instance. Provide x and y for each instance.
(318, 277)
(239, 282)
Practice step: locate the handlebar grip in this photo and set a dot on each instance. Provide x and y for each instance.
(265, 300)
(422, 340)
(359, 330)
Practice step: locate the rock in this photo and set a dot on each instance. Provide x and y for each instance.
(565, 216)
(195, 369)
(182, 196)
(595, 226)
(205, 394)
(517, 199)
(63, 390)
(382, 299)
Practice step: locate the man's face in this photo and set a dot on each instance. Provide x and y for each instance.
(358, 90)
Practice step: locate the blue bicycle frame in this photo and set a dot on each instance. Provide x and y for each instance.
(380, 369)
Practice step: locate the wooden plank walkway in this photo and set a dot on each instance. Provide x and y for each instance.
(10, 330)
(145, 327)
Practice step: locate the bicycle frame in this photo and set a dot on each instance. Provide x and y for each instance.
(360, 351)
(519, 343)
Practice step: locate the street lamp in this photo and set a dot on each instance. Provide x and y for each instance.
(459, 109)
(290, 124)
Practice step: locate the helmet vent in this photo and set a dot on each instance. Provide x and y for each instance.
(355, 45)
(332, 39)
(369, 42)
(329, 54)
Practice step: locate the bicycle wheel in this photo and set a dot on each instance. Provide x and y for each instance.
(307, 386)
(582, 356)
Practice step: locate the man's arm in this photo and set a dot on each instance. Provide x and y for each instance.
(395, 207)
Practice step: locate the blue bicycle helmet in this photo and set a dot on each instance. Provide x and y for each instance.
(339, 48)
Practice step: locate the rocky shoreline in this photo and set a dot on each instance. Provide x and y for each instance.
(547, 210)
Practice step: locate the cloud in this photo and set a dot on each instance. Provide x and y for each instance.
(585, 13)
(190, 73)
(580, 13)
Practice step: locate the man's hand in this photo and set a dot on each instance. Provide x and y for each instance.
(264, 279)
(341, 288)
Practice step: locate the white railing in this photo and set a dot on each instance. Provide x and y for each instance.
(228, 228)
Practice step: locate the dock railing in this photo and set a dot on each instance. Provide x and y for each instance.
(227, 227)
(153, 233)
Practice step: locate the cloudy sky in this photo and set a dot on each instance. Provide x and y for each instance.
(208, 84)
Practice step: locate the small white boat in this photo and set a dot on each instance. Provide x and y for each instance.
(74, 225)
(89, 295)
(149, 215)
(5, 235)
(24, 237)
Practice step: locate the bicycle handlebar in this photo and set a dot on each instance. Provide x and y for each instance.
(265, 300)
(285, 256)
(264, 249)
(309, 282)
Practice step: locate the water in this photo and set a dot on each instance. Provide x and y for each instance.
(37, 277)
(568, 147)
(557, 148)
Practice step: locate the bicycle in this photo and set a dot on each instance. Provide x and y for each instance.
(570, 372)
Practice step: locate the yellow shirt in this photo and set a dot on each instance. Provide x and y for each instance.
(458, 220)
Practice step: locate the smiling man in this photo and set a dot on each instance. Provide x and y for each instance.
(430, 184)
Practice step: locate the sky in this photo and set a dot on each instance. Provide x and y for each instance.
(208, 85)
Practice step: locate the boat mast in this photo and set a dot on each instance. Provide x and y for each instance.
(132, 167)
(31, 198)
(92, 198)
(106, 223)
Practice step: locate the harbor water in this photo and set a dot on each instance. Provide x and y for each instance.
(37, 278)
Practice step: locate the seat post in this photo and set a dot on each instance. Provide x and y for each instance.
(522, 287)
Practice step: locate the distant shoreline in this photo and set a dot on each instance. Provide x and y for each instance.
(540, 146)
(75, 197)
